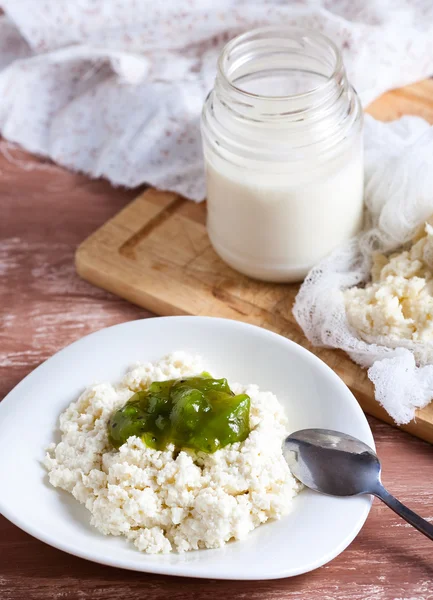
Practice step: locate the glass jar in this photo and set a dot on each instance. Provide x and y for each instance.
(282, 138)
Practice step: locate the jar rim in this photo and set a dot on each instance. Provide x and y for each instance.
(290, 32)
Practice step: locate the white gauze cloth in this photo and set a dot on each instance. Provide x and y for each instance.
(114, 88)
(399, 199)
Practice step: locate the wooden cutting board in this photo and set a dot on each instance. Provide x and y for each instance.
(156, 253)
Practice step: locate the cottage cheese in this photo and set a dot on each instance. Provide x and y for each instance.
(398, 304)
(162, 500)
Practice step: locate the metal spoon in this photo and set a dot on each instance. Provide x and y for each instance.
(338, 464)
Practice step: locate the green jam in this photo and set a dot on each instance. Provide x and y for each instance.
(199, 413)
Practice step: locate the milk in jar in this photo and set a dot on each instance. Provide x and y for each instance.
(282, 137)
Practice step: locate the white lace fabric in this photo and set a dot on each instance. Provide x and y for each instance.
(115, 88)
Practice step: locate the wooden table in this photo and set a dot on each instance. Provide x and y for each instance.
(45, 213)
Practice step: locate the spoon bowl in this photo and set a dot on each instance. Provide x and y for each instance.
(332, 463)
(337, 464)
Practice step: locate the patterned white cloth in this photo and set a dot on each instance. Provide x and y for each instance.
(114, 88)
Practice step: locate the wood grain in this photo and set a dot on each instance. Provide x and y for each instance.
(45, 213)
(130, 256)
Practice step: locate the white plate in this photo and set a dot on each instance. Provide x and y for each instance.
(318, 528)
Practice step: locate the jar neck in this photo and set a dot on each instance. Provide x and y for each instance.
(276, 73)
(288, 86)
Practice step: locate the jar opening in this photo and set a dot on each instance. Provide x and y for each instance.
(281, 94)
(280, 63)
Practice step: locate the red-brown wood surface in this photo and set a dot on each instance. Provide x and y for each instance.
(45, 212)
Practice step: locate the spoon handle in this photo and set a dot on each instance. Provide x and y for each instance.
(408, 515)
